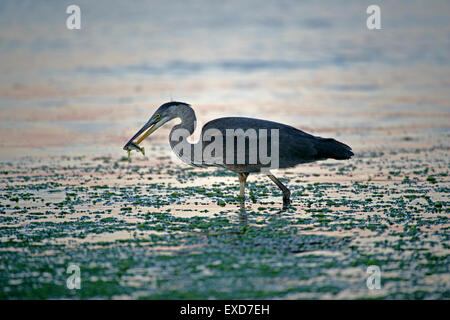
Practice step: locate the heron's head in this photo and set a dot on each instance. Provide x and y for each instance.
(165, 113)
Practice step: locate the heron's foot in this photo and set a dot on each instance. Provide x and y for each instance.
(286, 192)
(286, 198)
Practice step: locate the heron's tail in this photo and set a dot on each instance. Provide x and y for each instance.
(329, 148)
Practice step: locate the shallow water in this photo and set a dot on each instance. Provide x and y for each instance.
(155, 228)
(167, 232)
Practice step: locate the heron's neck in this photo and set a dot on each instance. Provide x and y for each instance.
(188, 122)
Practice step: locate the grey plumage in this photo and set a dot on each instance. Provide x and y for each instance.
(295, 146)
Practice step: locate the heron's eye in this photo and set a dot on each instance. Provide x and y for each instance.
(157, 116)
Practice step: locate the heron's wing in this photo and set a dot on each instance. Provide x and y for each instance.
(294, 146)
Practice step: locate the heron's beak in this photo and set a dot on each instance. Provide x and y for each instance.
(152, 125)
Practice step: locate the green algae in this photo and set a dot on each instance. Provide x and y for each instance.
(173, 232)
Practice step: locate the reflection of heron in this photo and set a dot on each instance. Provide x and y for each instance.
(294, 146)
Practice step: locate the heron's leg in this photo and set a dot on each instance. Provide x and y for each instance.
(286, 192)
(242, 179)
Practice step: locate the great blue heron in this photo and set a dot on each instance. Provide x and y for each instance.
(290, 145)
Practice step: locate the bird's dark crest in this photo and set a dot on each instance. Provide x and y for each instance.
(173, 103)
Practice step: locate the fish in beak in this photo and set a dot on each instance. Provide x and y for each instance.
(151, 126)
(133, 146)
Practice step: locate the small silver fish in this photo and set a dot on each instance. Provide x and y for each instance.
(133, 146)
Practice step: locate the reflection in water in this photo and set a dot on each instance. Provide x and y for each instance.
(243, 220)
(243, 216)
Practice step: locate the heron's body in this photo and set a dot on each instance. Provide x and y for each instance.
(294, 146)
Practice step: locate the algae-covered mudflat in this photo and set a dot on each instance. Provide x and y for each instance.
(155, 230)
